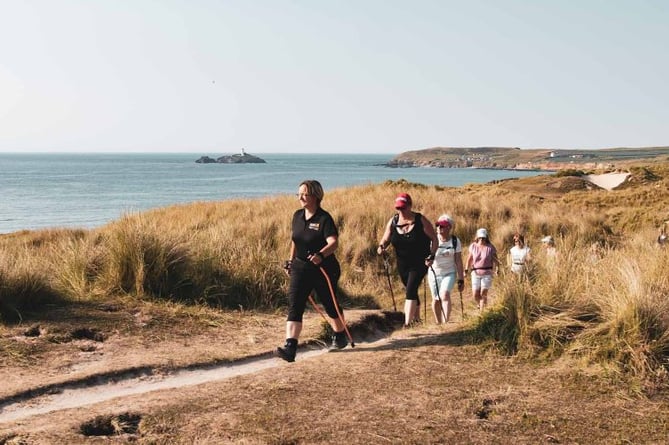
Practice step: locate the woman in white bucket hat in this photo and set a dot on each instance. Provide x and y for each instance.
(483, 263)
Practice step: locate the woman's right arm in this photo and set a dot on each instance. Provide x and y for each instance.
(470, 260)
(287, 266)
(385, 239)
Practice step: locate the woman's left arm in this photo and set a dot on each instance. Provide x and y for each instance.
(332, 244)
(428, 228)
(327, 250)
(459, 267)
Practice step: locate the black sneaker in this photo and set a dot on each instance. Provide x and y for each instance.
(339, 341)
(287, 352)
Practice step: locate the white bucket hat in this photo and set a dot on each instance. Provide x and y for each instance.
(482, 233)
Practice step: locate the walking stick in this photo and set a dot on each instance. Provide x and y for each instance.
(462, 306)
(386, 266)
(334, 301)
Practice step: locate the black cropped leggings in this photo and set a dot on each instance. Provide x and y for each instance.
(305, 278)
(412, 275)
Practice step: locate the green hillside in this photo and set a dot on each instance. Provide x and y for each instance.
(540, 158)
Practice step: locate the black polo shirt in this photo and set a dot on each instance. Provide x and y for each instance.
(310, 235)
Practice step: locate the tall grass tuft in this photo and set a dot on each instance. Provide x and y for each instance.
(515, 311)
(24, 286)
(631, 295)
(80, 263)
(144, 260)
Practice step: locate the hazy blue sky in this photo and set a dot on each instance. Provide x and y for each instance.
(362, 76)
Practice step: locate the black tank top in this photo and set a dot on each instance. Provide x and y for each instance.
(411, 247)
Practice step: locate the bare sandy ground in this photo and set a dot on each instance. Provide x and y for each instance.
(607, 181)
(69, 378)
(67, 397)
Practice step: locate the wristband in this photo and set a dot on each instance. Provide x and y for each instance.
(430, 257)
(320, 255)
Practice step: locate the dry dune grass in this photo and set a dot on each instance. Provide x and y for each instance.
(202, 283)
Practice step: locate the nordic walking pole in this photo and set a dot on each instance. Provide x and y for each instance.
(386, 266)
(334, 301)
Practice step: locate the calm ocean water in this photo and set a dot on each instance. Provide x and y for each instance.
(88, 190)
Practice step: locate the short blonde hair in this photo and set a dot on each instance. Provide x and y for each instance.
(314, 188)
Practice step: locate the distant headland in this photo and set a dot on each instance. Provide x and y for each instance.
(526, 159)
(238, 158)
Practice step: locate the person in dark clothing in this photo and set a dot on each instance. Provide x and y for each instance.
(415, 242)
(313, 243)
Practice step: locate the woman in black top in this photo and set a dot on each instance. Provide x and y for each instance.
(313, 243)
(415, 243)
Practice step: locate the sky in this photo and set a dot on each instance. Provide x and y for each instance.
(331, 76)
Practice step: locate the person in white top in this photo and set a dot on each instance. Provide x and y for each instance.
(446, 269)
(519, 255)
(549, 247)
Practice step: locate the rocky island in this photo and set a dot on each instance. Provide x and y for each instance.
(238, 158)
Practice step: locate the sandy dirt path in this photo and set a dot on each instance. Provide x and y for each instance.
(66, 396)
(427, 384)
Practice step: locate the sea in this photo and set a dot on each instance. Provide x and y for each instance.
(55, 190)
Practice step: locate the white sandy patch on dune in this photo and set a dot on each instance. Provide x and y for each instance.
(607, 181)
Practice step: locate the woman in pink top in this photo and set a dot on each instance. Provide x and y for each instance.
(483, 263)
